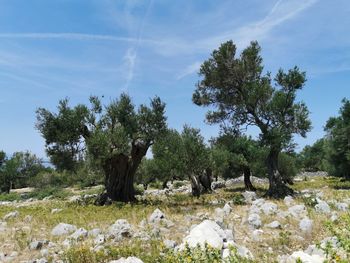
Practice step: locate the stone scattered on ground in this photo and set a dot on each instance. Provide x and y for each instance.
(63, 229)
(119, 230)
(11, 215)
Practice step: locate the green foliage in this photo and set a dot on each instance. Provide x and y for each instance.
(175, 156)
(63, 134)
(113, 139)
(313, 158)
(195, 156)
(232, 154)
(154, 251)
(284, 238)
(287, 166)
(54, 192)
(341, 230)
(18, 170)
(10, 197)
(240, 94)
(338, 138)
(168, 153)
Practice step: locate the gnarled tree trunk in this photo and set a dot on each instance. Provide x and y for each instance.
(205, 180)
(119, 175)
(277, 187)
(195, 185)
(247, 183)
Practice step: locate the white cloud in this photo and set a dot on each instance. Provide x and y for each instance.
(129, 59)
(190, 69)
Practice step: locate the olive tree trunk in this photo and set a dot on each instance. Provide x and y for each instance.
(277, 188)
(120, 172)
(247, 183)
(195, 185)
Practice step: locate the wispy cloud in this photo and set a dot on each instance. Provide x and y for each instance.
(190, 69)
(259, 30)
(129, 60)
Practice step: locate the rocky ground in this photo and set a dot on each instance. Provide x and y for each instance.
(229, 220)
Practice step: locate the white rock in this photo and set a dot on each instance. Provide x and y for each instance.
(274, 224)
(36, 245)
(258, 202)
(249, 196)
(334, 216)
(169, 243)
(156, 216)
(229, 234)
(127, 260)
(254, 220)
(305, 258)
(99, 239)
(79, 234)
(297, 211)
(3, 226)
(13, 214)
(254, 209)
(288, 200)
(244, 252)
(226, 253)
(44, 252)
(342, 206)
(120, 229)
(227, 209)
(63, 229)
(322, 207)
(306, 224)
(269, 208)
(94, 232)
(206, 232)
(256, 235)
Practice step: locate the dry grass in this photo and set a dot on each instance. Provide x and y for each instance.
(178, 209)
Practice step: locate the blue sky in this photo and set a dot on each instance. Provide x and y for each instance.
(75, 48)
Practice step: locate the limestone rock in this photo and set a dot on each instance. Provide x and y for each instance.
(206, 232)
(79, 234)
(305, 258)
(322, 207)
(274, 224)
(63, 229)
(297, 211)
(254, 220)
(120, 229)
(306, 224)
(10, 215)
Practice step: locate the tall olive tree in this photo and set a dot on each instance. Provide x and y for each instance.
(240, 94)
(116, 137)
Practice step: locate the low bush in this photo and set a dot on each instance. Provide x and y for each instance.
(54, 192)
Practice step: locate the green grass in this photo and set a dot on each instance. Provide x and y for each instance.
(10, 197)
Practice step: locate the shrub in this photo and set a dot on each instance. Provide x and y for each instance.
(55, 192)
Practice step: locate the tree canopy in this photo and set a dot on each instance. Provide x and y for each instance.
(338, 137)
(241, 94)
(116, 137)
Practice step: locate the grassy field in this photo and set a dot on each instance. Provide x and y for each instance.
(35, 222)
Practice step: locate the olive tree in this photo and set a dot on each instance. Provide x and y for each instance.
(338, 141)
(168, 153)
(242, 153)
(240, 93)
(116, 137)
